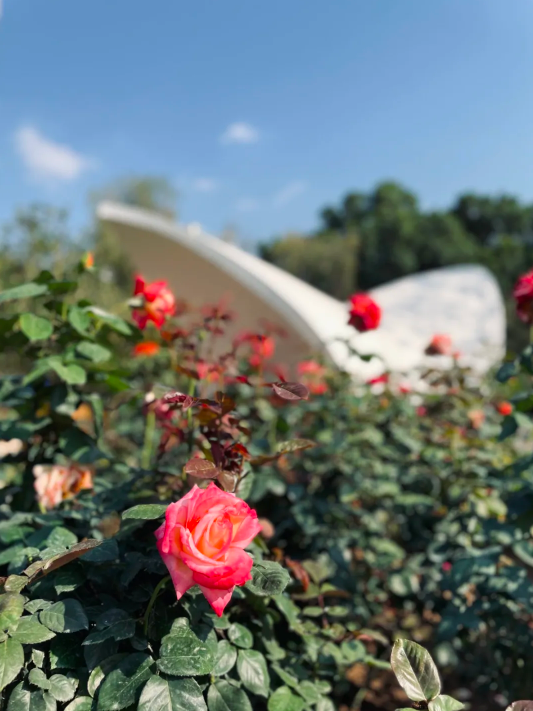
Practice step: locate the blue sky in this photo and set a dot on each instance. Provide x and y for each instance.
(263, 112)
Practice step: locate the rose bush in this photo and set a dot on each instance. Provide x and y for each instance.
(384, 514)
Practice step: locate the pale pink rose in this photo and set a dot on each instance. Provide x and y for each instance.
(202, 543)
(54, 483)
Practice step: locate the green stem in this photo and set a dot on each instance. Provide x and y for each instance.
(161, 584)
(149, 430)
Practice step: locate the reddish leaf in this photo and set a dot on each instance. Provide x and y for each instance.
(185, 401)
(227, 480)
(299, 572)
(290, 391)
(201, 469)
(227, 403)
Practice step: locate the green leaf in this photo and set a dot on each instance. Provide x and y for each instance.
(82, 703)
(62, 688)
(11, 608)
(22, 699)
(72, 374)
(79, 320)
(93, 351)
(240, 636)
(171, 695)
(447, 703)
(285, 676)
(115, 322)
(122, 686)
(253, 671)
(38, 678)
(113, 624)
(182, 653)
(30, 631)
(268, 578)
(146, 511)
(309, 692)
(223, 696)
(11, 661)
(225, 659)
(24, 291)
(284, 700)
(37, 657)
(35, 328)
(415, 670)
(325, 704)
(65, 616)
(65, 652)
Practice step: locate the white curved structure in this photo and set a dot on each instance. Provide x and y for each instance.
(464, 302)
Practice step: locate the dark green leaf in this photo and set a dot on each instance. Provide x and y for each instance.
(122, 686)
(171, 695)
(65, 616)
(11, 661)
(146, 511)
(35, 328)
(240, 636)
(72, 374)
(225, 659)
(415, 670)
(253, 671)
(223, 696)
(284, 700)
(268, 578)
(115, 322)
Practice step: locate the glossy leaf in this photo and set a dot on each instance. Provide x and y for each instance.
(268, 578)
(290, 391)
(253, 671)
(415, 670)
(240, 636)
(223, 696)
(122, 686)
(11, 608)
(65, 616)
(171, 695)
(182, 653)
(201, 469)
(225, 658)
(445, 703)
(30, 631)
(11, 661)
(146, 512)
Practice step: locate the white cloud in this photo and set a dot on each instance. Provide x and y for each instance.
(288, 193)
(247, 204)
(46, 159)
(204, 185)
(240, 132)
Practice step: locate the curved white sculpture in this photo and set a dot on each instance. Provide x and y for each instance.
(464, 301)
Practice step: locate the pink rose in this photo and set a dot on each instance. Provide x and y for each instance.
(54, 483)
(202, 543)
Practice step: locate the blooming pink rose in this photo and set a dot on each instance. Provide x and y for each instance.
(202, 542)
(365, 314)
(158, 302)
(54, 483)
(523, 295)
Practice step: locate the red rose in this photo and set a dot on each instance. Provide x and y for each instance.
(504, 408)
(146, 348)
(523, 295)
(158, 302)
(380, 379)
(365, 314)
(440, 344)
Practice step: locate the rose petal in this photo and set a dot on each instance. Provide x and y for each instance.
(218, 599)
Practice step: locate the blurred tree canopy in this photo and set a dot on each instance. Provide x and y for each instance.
(373, 238)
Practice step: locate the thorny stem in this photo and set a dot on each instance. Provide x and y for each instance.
(160, 585)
